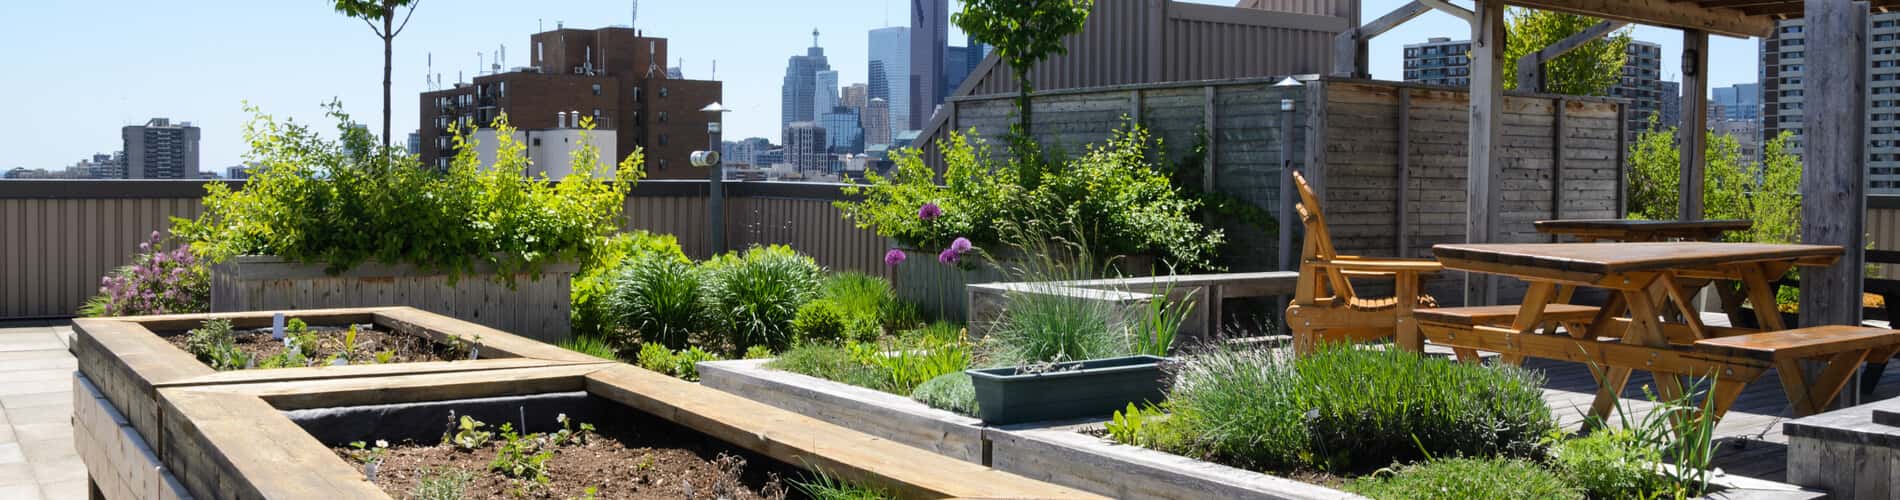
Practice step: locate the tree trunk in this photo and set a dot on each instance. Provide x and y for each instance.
(389, 38)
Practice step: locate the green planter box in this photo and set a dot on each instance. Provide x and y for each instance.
(1093, 388)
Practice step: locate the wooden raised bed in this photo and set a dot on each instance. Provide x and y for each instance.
(128, 361)
(536, 306)
(210, 432)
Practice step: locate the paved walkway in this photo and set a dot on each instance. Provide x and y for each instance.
(37, 459)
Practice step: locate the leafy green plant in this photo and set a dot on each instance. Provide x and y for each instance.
(913, 363)
(950, 391)
(1044, 323)
(1351, 410)
(659, 296)
(521, 457)
(590, 292)
(1613, 463)
(592, 346)
(444, 483)
(686, 362)
(1467, 479)
(655, 357)
(830, 362)
(1023, 33)
(820, 320)
(869, 305)
(363, 452)
(683, 363)
(1160, 322)
(208, 337)
(758, 352)
(1144, 426)
(1589, 69)
(755, 295)
(316, 200)
(1678, 431)
(1120, 199)
(469, 435)
(975, 197)
(822, 486)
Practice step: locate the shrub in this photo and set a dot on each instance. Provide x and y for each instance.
(950, 391)
(1468, 478)
(658, 295)
(1043, 324)
(207, 338)
(158, 281)
(594, 283)
(655, 357)
(941, 331)
(819, 321)
(1613, 463)
(758, 352)
(754, 296)
(1119, 195)
(683, 363)
(976, 195)
(1351, 410)
(343, 202)
(686, 362)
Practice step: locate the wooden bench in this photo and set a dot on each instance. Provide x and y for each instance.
(1574, 318)
(1841, 348)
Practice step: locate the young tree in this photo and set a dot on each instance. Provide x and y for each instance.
(1768, 192)
(1023, 33)
(384, 11)
(1589, 70)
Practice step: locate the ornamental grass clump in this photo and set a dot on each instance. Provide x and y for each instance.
(1347, 410)
(659, 298)
(753, 297)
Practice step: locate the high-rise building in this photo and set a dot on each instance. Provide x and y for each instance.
(745, 152)
(1443, 61)
(825, 91)
(798, 94)
(843, 134)
(1671, 104)
(929, 48)
(806, 148)
(237, 172)
(160, 149)
(413, 145)
(877, 122)
(854, 96)
(102, 166)
(958, 61)
(1783, 69)
(1747, 135)
(615, 76)
(1741, 101)
(890, 73)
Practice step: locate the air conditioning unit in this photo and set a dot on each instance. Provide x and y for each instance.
(579, 70)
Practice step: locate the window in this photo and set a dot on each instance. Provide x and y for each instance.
(662, 117)
(636, 94)
(662, 139)
(596, 89)
(537, 142)
(662, 164)
(662, 92)
(537, 53)
(1793, 28)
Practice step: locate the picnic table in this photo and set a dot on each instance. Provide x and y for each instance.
(1630, 230)
(1631, 332)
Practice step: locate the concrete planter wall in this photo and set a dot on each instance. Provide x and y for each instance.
(537, 307)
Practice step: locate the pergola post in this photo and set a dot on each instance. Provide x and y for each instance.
(1833, 182)
(1487, 114)
(1692, 137)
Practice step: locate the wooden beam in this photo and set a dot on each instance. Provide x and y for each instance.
(1692, 136)
(1833, 180)
(1487, 117)
(1727, 22)
(1530, 68)
(1349, 60)
(1454, 10)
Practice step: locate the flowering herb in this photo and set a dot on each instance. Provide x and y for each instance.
(930, 211)
(159, 281)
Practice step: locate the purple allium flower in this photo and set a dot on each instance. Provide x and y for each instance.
(948, 256)
(960, 245)
(929, 211)
(894, 257)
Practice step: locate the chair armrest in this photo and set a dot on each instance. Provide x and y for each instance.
(1384, 265)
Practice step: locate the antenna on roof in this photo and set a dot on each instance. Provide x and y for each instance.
(635, 21)
(715, 70)
(430, 70)
(501, 62)
(480, 59)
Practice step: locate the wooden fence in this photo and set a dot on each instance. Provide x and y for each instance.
(57, 238)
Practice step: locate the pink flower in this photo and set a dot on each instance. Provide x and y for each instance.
(929, 211)
(948, 256)
(960, 245)
(894, 257)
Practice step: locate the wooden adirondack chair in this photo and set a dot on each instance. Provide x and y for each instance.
(1325, 308)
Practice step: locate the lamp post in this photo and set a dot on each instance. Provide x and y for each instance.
(1288, 85)
(715, 181)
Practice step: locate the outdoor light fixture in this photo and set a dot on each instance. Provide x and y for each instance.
(1287, 104)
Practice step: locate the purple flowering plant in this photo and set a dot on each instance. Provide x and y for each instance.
(920, 208)
(160, 280)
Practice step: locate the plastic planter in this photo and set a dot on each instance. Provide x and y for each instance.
(1092, 388)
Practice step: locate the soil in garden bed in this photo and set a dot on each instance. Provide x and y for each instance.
(642, 457)
(371, 340)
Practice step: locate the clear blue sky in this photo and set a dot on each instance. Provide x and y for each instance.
(77, 71)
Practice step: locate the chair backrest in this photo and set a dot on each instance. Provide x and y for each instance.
(1319, 241)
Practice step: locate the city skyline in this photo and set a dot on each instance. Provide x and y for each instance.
(296, 56)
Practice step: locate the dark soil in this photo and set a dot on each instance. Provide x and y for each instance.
(659, 461)
(370, 340)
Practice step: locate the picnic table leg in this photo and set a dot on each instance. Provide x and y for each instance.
(1827, 386)
(1530, 315)
(1406, 333)
(1795, 384)
(1646, 329)
(1762, 296)
(1606, 317)
(1609, 388)
(1724, 394)
(1731, 302)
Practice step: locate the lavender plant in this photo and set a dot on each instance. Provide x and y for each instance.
(159, 281)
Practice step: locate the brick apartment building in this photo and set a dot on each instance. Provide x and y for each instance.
(615, 75)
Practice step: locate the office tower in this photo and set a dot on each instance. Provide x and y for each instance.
(957, 65)
(854, 96)
(929, 45)
(160, 149)
(890, 73)
(824, 91)
(1784, 56)
(1741, 101)
(616, 76)
(877, 122)
(806, 148)
(798, 94)
(843, 133)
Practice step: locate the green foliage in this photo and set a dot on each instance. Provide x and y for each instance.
(659, 297)
(686, 362)
(1122, 202)
(754, 296)
(1589, 69)
(1678, 431)
(592, 346)
(1613, 463)
(950, 391)
(683, 363)
(976, 197)
(445, 483)
(819, 321)
(158, 281)
(1160, 322)
(910, 364)
(1145, 426)
(655, 357)
(207, 336)
(521, 457)
(469, 435)
(868, 304)
(822, 486)
(1768, 193)
(1023, 33)
(316, 200)
(592, 310)
(941, 331)
(758, 352)
(830, 362)
(1350, 410)
(1043, 324)
(1467, 479)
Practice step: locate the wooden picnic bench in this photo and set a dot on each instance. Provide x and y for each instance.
(1645, 278)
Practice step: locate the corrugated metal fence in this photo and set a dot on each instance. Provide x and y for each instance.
(58, 237)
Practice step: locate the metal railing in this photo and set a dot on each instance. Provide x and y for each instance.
(58, 237)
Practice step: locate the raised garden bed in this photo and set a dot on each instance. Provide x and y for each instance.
(680, 429)
(534, 306)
